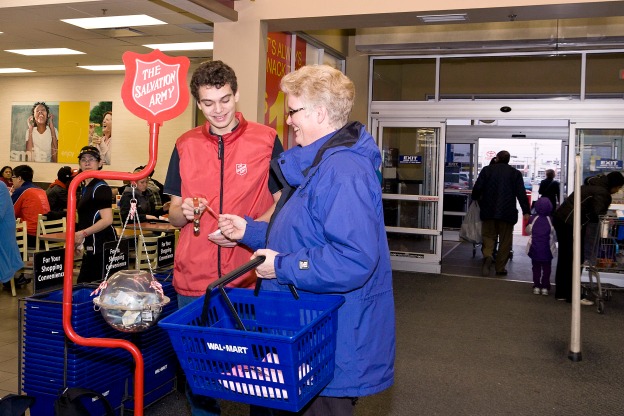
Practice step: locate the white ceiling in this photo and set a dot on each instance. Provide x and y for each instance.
(38, 25)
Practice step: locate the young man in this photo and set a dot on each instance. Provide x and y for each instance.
(222, 166)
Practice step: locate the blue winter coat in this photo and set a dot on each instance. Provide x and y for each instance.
(331, 238)
(10, 259)
(540, 231)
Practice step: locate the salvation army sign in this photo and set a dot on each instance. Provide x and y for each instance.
(154, 87)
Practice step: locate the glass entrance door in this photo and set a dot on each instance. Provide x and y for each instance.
(412, 189)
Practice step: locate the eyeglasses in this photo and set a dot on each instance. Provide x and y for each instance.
(291, 112)
(87, 159)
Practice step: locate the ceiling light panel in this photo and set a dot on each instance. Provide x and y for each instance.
(45, 51)
(440, 18)
(109, 22)
(103, 67)
(186, 46)
(14, 70)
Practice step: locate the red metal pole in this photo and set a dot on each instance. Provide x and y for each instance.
(69, 268)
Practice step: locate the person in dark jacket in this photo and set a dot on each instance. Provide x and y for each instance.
(146, 203)
(595, 201)
(543, 245)
(327, 233)
(549, 188)
(497, 188)
(57, 192)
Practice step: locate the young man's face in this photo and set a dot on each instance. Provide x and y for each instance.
(219, 107)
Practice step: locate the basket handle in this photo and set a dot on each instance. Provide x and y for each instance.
(292, 288)
(220, 283)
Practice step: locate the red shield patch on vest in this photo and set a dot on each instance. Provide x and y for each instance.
(241, 169)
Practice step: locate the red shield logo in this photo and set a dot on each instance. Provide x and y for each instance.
(155, 85)
(241, 169)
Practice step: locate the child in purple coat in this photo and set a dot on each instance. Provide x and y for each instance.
(542, 246)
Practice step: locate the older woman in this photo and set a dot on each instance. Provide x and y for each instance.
(327, 234)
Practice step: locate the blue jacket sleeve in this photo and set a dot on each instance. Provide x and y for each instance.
(255, 234)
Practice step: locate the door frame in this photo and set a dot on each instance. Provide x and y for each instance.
(408, 261)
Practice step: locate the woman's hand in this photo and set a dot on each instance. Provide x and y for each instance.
(267, 269)
(31, 123)
(218, 238)
(232, 226)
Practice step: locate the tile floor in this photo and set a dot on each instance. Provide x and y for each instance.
(9, 365)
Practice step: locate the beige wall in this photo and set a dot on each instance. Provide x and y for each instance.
(242, 44)
(130, 134)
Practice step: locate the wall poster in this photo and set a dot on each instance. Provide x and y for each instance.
(55, 131)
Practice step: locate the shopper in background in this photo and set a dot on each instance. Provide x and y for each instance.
(549, 188)
(6, 177)
(595, 201)
(497, 188)
(543, 245)
(10, 258)
(41, 135)
(327, 234)
(224, 164)
(28, 201)
(145, 201)
(57, 193)
(95, 218)
(157, 188)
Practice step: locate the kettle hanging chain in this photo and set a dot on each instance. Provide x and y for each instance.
(135, 220)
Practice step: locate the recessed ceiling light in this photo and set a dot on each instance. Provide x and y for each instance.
(13, 70)
(439, 18)
(103, 67)
(45, 51)
(114, 21)
(186, 46)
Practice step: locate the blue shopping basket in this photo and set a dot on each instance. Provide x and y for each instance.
(281, 358)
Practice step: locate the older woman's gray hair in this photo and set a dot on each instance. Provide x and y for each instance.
(322, 85)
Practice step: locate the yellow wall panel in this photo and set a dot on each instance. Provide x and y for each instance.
(73, 129)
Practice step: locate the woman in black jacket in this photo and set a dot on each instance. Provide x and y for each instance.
(595, 201)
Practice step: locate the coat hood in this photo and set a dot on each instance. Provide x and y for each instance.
(296, 163)
(543, 206)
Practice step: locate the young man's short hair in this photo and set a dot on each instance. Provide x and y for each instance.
(215, 74)
(23, 171)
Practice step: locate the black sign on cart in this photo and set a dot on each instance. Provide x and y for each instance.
(166, 250)
(49, 269)
(116, 258)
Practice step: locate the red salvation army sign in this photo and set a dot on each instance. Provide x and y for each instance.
(154, 88)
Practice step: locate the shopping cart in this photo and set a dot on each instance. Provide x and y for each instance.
(268, 349)
(607, 255)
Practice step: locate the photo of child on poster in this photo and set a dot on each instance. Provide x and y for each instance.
(55, 131)
(34, 132)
